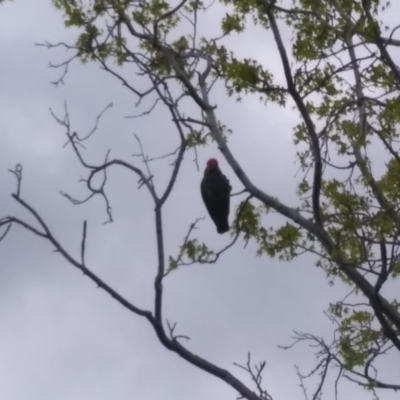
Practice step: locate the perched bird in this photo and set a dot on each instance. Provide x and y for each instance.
(215, 190)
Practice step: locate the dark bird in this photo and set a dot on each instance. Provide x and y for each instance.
(215, 190)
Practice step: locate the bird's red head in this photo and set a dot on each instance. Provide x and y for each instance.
(212, 163)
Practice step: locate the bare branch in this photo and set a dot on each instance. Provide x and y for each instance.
(99, 282)
(303, 110)
(256, 373)
(4, 234)
(83, 244)
(18, 174)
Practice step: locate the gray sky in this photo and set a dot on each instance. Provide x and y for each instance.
(60, 336)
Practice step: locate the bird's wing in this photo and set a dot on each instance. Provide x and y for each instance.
(216, 185)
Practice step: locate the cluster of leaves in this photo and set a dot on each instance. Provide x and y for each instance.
(101, 37)
(281, 242)
(356, 335)
(192, 252)
(242, 76)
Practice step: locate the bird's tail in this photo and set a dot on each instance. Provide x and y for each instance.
(222, 228)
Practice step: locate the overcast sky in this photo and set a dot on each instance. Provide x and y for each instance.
(61, 337)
